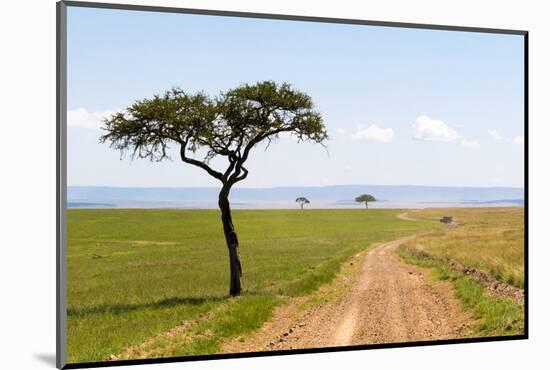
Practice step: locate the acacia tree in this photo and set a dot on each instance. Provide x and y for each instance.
(365, 198)
(229, 125)
(302, 201)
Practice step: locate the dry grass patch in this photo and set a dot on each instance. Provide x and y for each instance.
(490, 239)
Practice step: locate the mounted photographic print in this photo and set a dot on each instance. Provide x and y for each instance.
(236, 184)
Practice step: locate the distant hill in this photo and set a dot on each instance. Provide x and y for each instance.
(340, 195)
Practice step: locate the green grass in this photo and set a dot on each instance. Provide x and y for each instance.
(490, 239)
(494, 316)
(135, 273)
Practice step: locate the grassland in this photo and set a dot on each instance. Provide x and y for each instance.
(133, 274)
(490, 239)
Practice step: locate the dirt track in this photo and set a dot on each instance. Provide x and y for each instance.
(405, 216)
(382, 300)
(394, 302)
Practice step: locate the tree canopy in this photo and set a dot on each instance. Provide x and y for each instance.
(302, 201)
(227, 125)
(366, 198)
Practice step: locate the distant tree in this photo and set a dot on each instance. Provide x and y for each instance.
(302, 201)
(365, 198)
(229, 126)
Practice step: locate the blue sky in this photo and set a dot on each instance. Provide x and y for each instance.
(402, 106)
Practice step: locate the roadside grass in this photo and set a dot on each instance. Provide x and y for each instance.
(494, 316)
(237, 316)
(136, 273)
(489, 239)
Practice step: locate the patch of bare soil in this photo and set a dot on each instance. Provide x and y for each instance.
(378, 300)
(150, 242)
(135, 242)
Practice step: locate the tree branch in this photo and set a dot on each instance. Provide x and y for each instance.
(200, 164)
(243, 176)
(235, 177)
(232, 163)
(259, 138)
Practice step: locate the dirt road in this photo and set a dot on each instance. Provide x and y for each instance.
(379, 299)
(394, 302)
(405, 216)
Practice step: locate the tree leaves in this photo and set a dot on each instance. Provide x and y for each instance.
(365, 198)
(229, 125)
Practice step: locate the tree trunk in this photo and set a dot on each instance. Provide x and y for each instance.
(302, 206)
(232, 243)
(367, 205)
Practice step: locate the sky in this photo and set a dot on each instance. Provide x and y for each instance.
(401, 106)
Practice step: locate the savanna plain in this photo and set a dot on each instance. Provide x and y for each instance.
(149, 283)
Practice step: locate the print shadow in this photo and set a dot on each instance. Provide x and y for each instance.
(46, 358)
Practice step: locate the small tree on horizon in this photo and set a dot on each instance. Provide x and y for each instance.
(365, 198)
(302, 201)
(226, 126)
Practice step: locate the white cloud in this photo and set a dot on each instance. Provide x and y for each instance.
(470, 143)
(348, 167)
(518, 140)
(495, 135)
(82, 118)
(426, 128)
(374, 133)
(341, 131)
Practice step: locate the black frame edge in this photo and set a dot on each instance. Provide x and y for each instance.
(526, 180)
